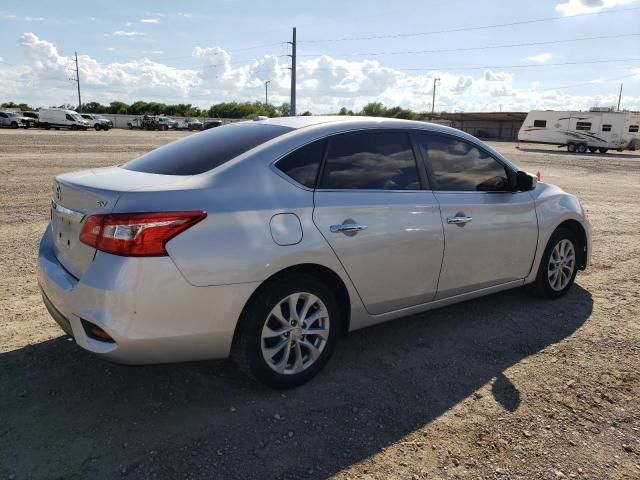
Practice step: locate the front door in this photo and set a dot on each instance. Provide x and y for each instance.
(490, 231)
(383, 226)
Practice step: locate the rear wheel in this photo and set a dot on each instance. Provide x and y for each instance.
(14, 125)
(97, 127)
(47, 126)
(593, 149)
(603, 150)
(559, 265)
(571, 147)
(287, 331)
(582, 148)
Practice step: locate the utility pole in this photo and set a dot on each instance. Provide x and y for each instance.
(433, 101)
(77, 80)
(620, 96)
(266, 92)
(292, 108)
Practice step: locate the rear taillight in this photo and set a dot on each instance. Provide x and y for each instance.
(136, 234)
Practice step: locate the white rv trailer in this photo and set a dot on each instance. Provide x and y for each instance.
(598, 129)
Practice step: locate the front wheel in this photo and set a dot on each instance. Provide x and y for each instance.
(593, 149)
(558, 266)
(582, 148)
(603, 150)
(571, 147)
(287, 331)
(97, 127)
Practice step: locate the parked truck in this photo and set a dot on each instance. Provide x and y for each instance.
(152, 122)
(599, 129)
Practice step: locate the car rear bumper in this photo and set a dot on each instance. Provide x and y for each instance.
(145, 305)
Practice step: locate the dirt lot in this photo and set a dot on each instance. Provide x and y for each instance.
(502, 387)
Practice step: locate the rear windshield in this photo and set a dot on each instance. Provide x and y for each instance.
(205, 151)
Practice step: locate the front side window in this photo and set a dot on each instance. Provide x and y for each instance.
(303, 164)
(3, 115)
(540, 123)
(633, 128)
(586, 126)
(460, 166)
(69, 117)
(370, 161)
(606, 128)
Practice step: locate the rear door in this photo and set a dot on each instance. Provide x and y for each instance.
(491, 232)
(373, 208)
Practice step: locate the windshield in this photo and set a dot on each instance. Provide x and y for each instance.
(76, 116)
(205, 151)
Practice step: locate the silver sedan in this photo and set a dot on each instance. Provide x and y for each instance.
(268, 240)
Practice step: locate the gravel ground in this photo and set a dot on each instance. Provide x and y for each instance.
(504, 387)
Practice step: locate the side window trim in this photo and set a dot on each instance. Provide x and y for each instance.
(329, 138)
(508, 171)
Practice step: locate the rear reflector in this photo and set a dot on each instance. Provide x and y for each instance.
(95, 332)
(136, 234)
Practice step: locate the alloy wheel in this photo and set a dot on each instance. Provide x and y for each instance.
(562, 263)
(295, 333)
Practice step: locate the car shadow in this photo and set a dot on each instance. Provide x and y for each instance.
(610, 154)
(65, 413)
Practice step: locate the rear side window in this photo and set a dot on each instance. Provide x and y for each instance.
(540, 123)
(205, 151)
(461, 166)
(372, 161)
(633, 128)
(303, 164)
(606, 128)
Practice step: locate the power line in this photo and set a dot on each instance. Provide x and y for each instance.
(463, 49)
(466, 29)
(481, 67)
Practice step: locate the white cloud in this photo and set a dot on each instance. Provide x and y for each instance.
(491, 76)
(540, 58)
(577, 7)
(149, 20)
(325, 84)
(111, 49)
(34, 19)
(127, 33)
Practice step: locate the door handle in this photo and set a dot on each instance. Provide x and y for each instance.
(458, 220)
(347, 228)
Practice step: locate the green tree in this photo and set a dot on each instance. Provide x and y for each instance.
(118, 108)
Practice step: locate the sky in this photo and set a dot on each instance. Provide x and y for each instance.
(552, 54)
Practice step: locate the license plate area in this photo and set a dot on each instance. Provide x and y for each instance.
(65, 225)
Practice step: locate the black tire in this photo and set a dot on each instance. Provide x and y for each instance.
(571, 147)
(603, 150)
(74, 127)
(130, 126)
(97, 127)
(246, 351)
(47, 126)
(593, 149)
(14, 125)
(582, 148)
(542, 285)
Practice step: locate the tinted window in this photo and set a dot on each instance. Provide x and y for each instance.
(460, 166)
(371, 160)
(205, 151)
(69, 117)
(3, 115)
(583, 126)
(633, 128)
(303, 164)
(540, 123)
(606, 128)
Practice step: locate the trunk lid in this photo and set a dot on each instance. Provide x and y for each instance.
(80, 194)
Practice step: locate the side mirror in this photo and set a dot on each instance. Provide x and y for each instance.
(525, 182)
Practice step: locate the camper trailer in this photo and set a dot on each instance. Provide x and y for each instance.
(599, 129)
